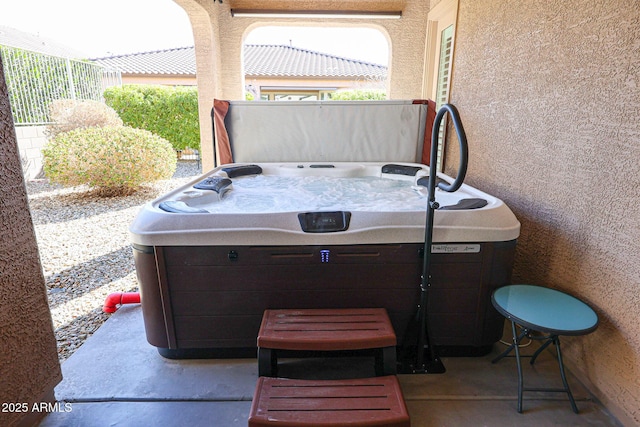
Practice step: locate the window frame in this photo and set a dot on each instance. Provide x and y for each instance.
(439, 19)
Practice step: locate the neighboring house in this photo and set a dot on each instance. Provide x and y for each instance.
(272, 72)
(286, 72)
(175, 67)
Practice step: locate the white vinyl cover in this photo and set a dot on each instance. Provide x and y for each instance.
(326, 131)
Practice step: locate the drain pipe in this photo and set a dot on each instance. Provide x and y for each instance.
(118, 298)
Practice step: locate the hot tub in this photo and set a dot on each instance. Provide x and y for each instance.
(213, 255)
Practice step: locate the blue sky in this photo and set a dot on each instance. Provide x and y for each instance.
(102, 28)
(99, 27)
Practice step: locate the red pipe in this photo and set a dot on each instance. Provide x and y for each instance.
(118, 298)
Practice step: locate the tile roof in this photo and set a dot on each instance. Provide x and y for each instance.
(288, 61)
(260, 60)
(178, 61)
(19, 39)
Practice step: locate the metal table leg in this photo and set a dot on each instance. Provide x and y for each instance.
(556, 341)
(550, 339)
(540, 350)
(511, 347)
(516, 344)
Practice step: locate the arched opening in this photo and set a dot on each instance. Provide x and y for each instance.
(315, 63)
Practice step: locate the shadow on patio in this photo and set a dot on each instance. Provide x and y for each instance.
(116, 378)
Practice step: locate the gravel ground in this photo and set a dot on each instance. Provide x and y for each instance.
(85, 250)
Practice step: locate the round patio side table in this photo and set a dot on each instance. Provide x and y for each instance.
(548, 311)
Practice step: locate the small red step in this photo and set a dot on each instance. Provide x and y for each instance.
(376, 401)
(326, 330)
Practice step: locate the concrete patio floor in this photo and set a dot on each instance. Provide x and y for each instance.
(117, 379)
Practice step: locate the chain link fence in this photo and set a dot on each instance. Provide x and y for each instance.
(35, 79)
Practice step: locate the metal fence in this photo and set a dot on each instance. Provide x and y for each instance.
(35, 79)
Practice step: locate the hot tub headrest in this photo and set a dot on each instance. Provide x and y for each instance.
(242, 170)
(401, 169)
(465, 204)
(213, 183)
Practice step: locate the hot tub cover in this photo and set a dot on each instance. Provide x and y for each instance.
(317, 131)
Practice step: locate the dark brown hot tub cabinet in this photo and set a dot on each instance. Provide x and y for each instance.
(208, 301)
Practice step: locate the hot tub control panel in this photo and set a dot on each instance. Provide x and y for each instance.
(324, 222)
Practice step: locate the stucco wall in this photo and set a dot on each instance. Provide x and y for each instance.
(549, 94)
(29, 367)
(31, 140)
(159, 79)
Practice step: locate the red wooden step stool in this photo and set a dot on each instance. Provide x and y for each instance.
(376, 401)
(326, 330)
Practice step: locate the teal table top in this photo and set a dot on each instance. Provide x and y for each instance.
(545, 310)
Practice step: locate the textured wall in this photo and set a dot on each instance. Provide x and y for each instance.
(550, 98)
(29, 367)
(31, 139)
(208, 75)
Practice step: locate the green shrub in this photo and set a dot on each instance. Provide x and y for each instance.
(358, 95)
(115, 160)
(69, 114)
(170, 112)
